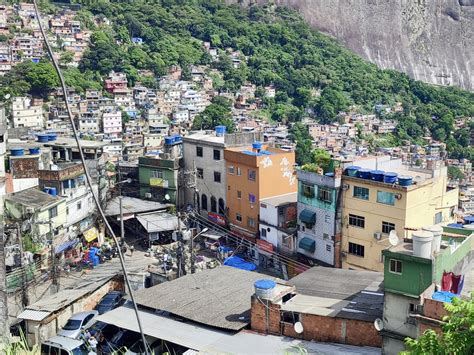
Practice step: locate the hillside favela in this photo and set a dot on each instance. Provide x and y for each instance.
(183, 177)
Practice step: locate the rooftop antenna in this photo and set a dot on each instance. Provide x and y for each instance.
(393, 238)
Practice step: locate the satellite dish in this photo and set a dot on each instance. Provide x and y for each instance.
(298, 327)
(393, 238)
(167, 197)
(378, 324)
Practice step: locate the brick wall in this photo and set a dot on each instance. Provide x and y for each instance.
(432, 309)
(67, 173)
(23, 168)
(362, 333)
(260, 312)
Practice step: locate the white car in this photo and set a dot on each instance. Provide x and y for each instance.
(77, 323)
(63, 345)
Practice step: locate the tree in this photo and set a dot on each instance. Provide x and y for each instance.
(322, 158)
(457, 332)
(455, 173)
(304, 143)
(42, 77)
(218, 113)
(66, 58)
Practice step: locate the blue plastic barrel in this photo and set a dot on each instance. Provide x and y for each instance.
(169, 140)
(52, 191)
(257, 145)
(52, 136)
(220, 130)
(390, 178)
(377, 175)
(34, 151)
(177, 138)
(17, 152)
(43, 138)
(352, 170)
(364, 174)
(404, 180)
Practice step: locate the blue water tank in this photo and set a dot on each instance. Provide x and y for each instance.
(17, 152)
(364, 174)
(404, 180)
(352, 170)
(34, 151)
(177, 138)
(52, 136)
(469, 219)
(257, 145)
(377, 175)
(52, 191)
(220, 130)
(264, 288)
(169, 140)
(43, 138)
(390, 178)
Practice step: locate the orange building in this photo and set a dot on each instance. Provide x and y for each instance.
(255, 173)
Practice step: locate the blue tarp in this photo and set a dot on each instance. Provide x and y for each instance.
(443, 296)
(239, 263)
(65, 246)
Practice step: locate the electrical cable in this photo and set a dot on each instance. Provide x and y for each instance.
(86, 171)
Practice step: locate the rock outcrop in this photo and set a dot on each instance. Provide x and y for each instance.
(430, 40)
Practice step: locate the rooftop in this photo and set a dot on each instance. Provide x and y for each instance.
(158, 222)
(33, 197)
(132, 205)
(281, 199)
(217, 297)
(339, 293)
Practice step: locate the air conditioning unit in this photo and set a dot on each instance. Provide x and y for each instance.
(398, 196)
(378, 235)
(147, 195)
(345, 187)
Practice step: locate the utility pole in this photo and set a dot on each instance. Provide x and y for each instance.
(24, 289)
(54, 275)
(122, 229)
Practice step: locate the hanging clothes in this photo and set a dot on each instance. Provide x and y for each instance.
(456, 279)
(447, 281)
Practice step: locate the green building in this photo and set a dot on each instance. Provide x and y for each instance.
(159, 175)
(410, 279)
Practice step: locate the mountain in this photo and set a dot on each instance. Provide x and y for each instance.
(430, 40)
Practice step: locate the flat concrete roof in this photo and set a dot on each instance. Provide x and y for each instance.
(33, 197)
(281, 199)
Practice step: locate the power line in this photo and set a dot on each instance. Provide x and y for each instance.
(86, 170)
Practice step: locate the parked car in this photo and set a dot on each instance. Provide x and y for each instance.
(77, 323)
(120, 341)
(107, 331)
(64, 346)
(110, 301)
(155, 346)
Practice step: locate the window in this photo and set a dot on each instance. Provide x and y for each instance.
(238, 217)
(53, 212)
(200, 173)
(327, 218)
(308, 190)
(387, 198)
(239, 194)
(204, 202)
(79, 205)
(217, 154)
(213, 204)
(231, 169)
(217, 176)
(251, 222)
(387, 227)
(395, 266)
(239, 171)
(263, 232)
(252, 174)
(199, 151)
(356, 221)
(361, 192)
(252, 198)
(438, 217)
(356, 249)
(328, 247)
(324, 195)
(156, 174)
(221, 206)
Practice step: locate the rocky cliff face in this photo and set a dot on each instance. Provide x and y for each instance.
(430, 40)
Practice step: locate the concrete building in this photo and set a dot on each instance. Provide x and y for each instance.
(112, 124)
(466, 200)
(204, 151)
(319, 216)
(26, 114)
(253, 174)
(410, 282)
(90, 122)
(371, 209)
(3, 154)
(278, 223)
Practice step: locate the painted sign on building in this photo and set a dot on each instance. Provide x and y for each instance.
(216, 218)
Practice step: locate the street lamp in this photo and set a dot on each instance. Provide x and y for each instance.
(193, 269)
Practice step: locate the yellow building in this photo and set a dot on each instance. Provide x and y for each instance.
(371, 209)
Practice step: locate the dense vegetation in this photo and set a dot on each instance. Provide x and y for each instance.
(312, 73)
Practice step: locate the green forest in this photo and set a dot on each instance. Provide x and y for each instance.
(281, 49)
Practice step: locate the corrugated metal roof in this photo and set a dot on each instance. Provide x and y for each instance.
(30, 314)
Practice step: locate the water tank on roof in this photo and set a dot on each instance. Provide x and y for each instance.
(177, 138)
(257, 145)
(34, 151)
(352, 170)
(169, 140)
(377, 175)
(220, 130)
(51, 191)
(43, 138)
(364, 174)
(52, 136)
(437, 233)
(404, 180)
(422, 244)
(265, 288)
(17, 152)
(390, 178)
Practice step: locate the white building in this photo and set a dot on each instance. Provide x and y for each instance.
(25, 114)
(90, 122)
(112, 123)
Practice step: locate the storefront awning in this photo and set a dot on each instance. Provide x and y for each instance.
(308, 216)
(307, 244)
(64, 246)
(91, 234)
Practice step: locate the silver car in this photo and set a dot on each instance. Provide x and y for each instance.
(77, 323)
